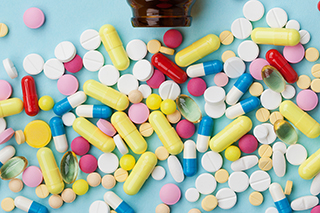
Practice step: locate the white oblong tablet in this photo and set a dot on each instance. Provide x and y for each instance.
(99, 206)
(143, 70)
(90, 39)
(175, 168)
(215, 110)
(108, 75)
(271, 210)
(289, 92)
(214, 95)
(108, 163)
(206, 183)
(158, 173)
(244, 163)
(296, 154)
(122, 147)
(253, 10)
(241, 28)
(53, 69)
(33, 64)
(136, 49)
(93, 60)
(260, 180)
(276, 18)
(304, 36)
(293, 24)
(270, 99)
(65, 51)
(315, 185)
(68, 118)
(304, 203)
(169, 90)
(145, 89)
(260, 132)
(279, 163)
(238, 181)
(3, 124)
(211, 161)
(192, 195)
(271, 136)
(234, 67)
(127, 83)
(248, 51)
(10, 68)
(227, 198)
(279, 146)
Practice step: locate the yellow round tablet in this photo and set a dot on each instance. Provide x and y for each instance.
(174, 117)
(46, 103)
(42, 191)
(19, 136)
(304, 82)
(3, 30)
(312, 54)
(80, 187)
(154, 46)
(121, 175)
(15, 185)
(162, 153)
(209, 203)
(315, 85)
(127, 162)
(221, 176)
(146, 129)
(68, 195)
(226, 37)
(166, 50)
(265, 163)
(94, 179)
(315, 70)
(232, 153)
(7, 204)
(108, 181)
(262, 114)
(275, 116)
(37, 133)
(55, 201)
(256, 198)
(162, 208)
(256, 89)
(265, 150)
(288, 188)
(194, 211)
(227, 54)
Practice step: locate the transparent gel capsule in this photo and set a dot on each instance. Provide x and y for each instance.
(69, 167)
(188, 108)
(13, 167)
(273, 79)
(285, 131)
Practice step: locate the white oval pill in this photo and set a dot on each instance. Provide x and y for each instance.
(248, 50)
(99, 206)
(3, 124)
(122, 147)
(260, 180)
(145, 89)
(158, 173)
(279, 163)
(127, 83)
(90, 39)
(68, 118)
(10, 68)
(215, 110)
(169, 90)
(211, 161)
(206, 183)
(293, 24)
(65, 51)
(53, 69)
(227, 198)
(192, 195)
(260, 132)
(271, 136)
(279, 146)
(270, 99)
(304, 36)
(315, 185)
(108, 75)
(93, 60)
(136, 49)
(253, 10)
(33, 64)
(175, 168)
(143, 70)
(276, 18)
(214, 95)
(238, 181)
(108, 163)
(234, 67)
(296, 154)
(271, 210)
(289, 92)
(244, 163)
(241, 28)
(304, 203)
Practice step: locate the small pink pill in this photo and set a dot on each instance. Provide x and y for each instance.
(196, 86)
(32, 176)
(106, 127)
(156, 79)
(138, 113)
(256, 67)
(170, 194)
(75, 65)
(294, 54)
(88, 163)
(221, 79)
(5, 90)
(172, 38)
(80, 146)
(68, 84)
(6, 135)
(248, 143)
(307, 100)
(33, 18)
(185, 129)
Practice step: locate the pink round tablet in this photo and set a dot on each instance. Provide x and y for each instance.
(156, 79)
(185, 129)
(307, 100)
(138, 113)
(75, 65)
(106, 127)
(67, 84)
(248, 143)
(5, 90)
(256, 67)
(294, 54)
(315, 209)
(172, 38)
(80, 146)
(88, 163)
(221, 79)
(196, 86)
(170, 194)
(6, 135)
(33, 18)
(32, 176)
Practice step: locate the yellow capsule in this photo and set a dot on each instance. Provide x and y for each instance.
(106, 95)
(114, 47)
(93, 134)
(197, 50)
(300, 119)
(10, 106)
(231, 133)
(50, 171)
(166, 133)
(276, 36)
(129, 132)
(310, 167)
(140, 173)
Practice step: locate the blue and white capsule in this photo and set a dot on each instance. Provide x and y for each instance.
(29, 206)
(69, 103)
(94, 111)
(190, 167)
(279, 198)
(239, 88)
(206, 68)
(242, 107)
(117, 203)
(59, 134)
(6, 154)
(204, 133)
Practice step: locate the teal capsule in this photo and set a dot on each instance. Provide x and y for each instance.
(69, 167)
(285, 131)
(13, 167)
(273, 78)
(189, 108)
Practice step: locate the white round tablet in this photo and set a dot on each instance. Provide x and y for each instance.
(289, 92)
(304, 36)
(169, 90)
(253, 10)
(241, 28)
(122, 147)
(270, 99)
(206, 183)
(90, 39)
(127, 83)
(260, 180)
(65, 51)
(238, 181)
(227, 198)
(145, 89)
(293, 24)
(108, 75)
(234, 67)
(271, 136)
(3, 125)
(10, 68)
(279, 146)
(248, 51)
(93, 60)
(260, 132)
(211, 161)
(214, 95)
(33, 64)
(53, 69)
(215, 110)
(108, 163)
(271, 210)
(276, 18)
(296, 154)
(158, 173)
(143, 70)
(136, 49)
(192, 195)
(68, 118)
(99, 206)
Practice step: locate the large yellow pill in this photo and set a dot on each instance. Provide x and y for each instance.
(10, 106)
(275, 36)
(37, 133)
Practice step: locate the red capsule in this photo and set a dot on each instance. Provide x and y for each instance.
(276, 60)
(169, 68)
(30, 98)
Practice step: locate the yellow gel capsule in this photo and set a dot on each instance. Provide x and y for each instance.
(197, 50)
(166, 133)
(114, 47)
(231, 133)
(276, 36)
(310, 167)
(140, 173)
(129, 132)
(300, 119)
(93, 134)
(10, 106)
(50, 171)
(106, 95)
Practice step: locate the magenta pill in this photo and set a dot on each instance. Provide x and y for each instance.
(6, 135)
(32, 176)
(68, 84)
(170, 194)
(256, 67)
(5, 90)
(156, 79)
(315, 209)
(294, 54)
(307, 100)
(185, 129)
(75, 65)
(196, 86)
(138, 113)
(88, 163)
(248, 143)
(172, 38)
(33, 18)
(106, 127)
(221, 79)
(80, 146)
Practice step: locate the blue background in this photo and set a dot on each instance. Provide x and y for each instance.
(66, 20)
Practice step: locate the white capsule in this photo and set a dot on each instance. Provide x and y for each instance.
(196, 70)
(61, 143)
(6, 153)
(233, 95)
(234, 111)
(28, 205)
(202, 143)
(77, 98)
(85, 111)
(190, 158)
(189, 151)
(279, 198)
(117, 203)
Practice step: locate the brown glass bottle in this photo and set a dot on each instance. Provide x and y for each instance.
(161, 13)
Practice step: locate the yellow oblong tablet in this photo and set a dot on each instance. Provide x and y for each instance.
(10, 106)
(37, 133)
(231, 133)
(310, 167)
(275, 36)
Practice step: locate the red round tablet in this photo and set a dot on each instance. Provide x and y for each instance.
(196, 86)
(88, 163)
(172, 38)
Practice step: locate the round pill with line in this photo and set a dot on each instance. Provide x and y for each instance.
(260, 180)
(65, 51)
(234, 67)
(227, 198)
(169, 90)
(33, 64)
(276, 18)
(253, 10)
(108, 75)
(53, 69)
(238, 181)
(93, 60)
(241, 28)
(206, 183)
(90, 39)
(211, 161)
